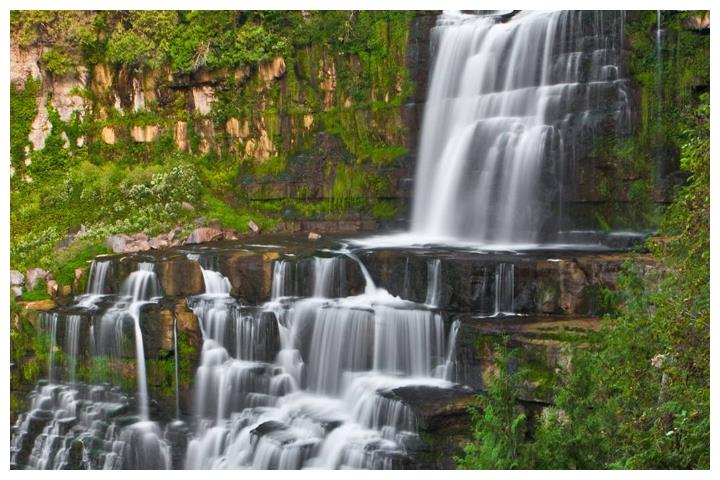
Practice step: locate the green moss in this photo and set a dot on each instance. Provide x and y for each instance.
(23, 109)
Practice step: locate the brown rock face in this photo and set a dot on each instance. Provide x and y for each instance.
(108, 135)
(23, 64)
(572, 282)
(273, 70)
(180, 277)
(204, 234)
(180, 135)
(146, 134)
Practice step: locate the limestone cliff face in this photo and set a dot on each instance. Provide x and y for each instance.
(302, 127)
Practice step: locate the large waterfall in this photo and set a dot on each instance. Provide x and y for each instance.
(510, 106)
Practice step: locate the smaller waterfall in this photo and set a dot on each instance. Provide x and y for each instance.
(97, 277)
(447, 370)
(281, 280)
(141, 286)
(72, 343)
(434, 283)
(504, 289)
(176, 354)
(49, 323)
(96, 287)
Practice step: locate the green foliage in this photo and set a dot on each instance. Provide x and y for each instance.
(57, 61)
(38, 293)
(499, 423)
(23, 111)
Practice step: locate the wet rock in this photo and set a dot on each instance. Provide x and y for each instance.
(443, 422)
(75, 456)
(203, 235)
(178, 435)
(268, 338)
(180, 277)
(16, 278)
(268, 427)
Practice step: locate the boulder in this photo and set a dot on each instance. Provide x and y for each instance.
(229, 234)
(52, 288)
(158, 242)
(79, 272)
(314, 236)
(173, 233)
(16, 278)
(204, 234)
(33, 275)
(253, 226)
(118, 242)
(17, 291)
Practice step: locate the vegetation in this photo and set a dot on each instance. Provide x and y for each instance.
(78, 182)
(637, 393)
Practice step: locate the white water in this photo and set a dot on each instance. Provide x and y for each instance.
(434, 283)
(508, 106)
(320, 403)
(96, 284)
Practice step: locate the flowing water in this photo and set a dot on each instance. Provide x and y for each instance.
(319, 399)
(510, 105)
(310, 378)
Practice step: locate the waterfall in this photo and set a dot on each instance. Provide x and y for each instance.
(141, 286)
(176, 354)
(320, 401)
(509, 106)
(97, 277)
(72, 343)
(504, 288)
(281, 280)
(96, 288)
(49, 323)
(434, 284)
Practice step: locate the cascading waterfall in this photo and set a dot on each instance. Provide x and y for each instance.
(47, 436)
(319, 401)
(509, 106)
